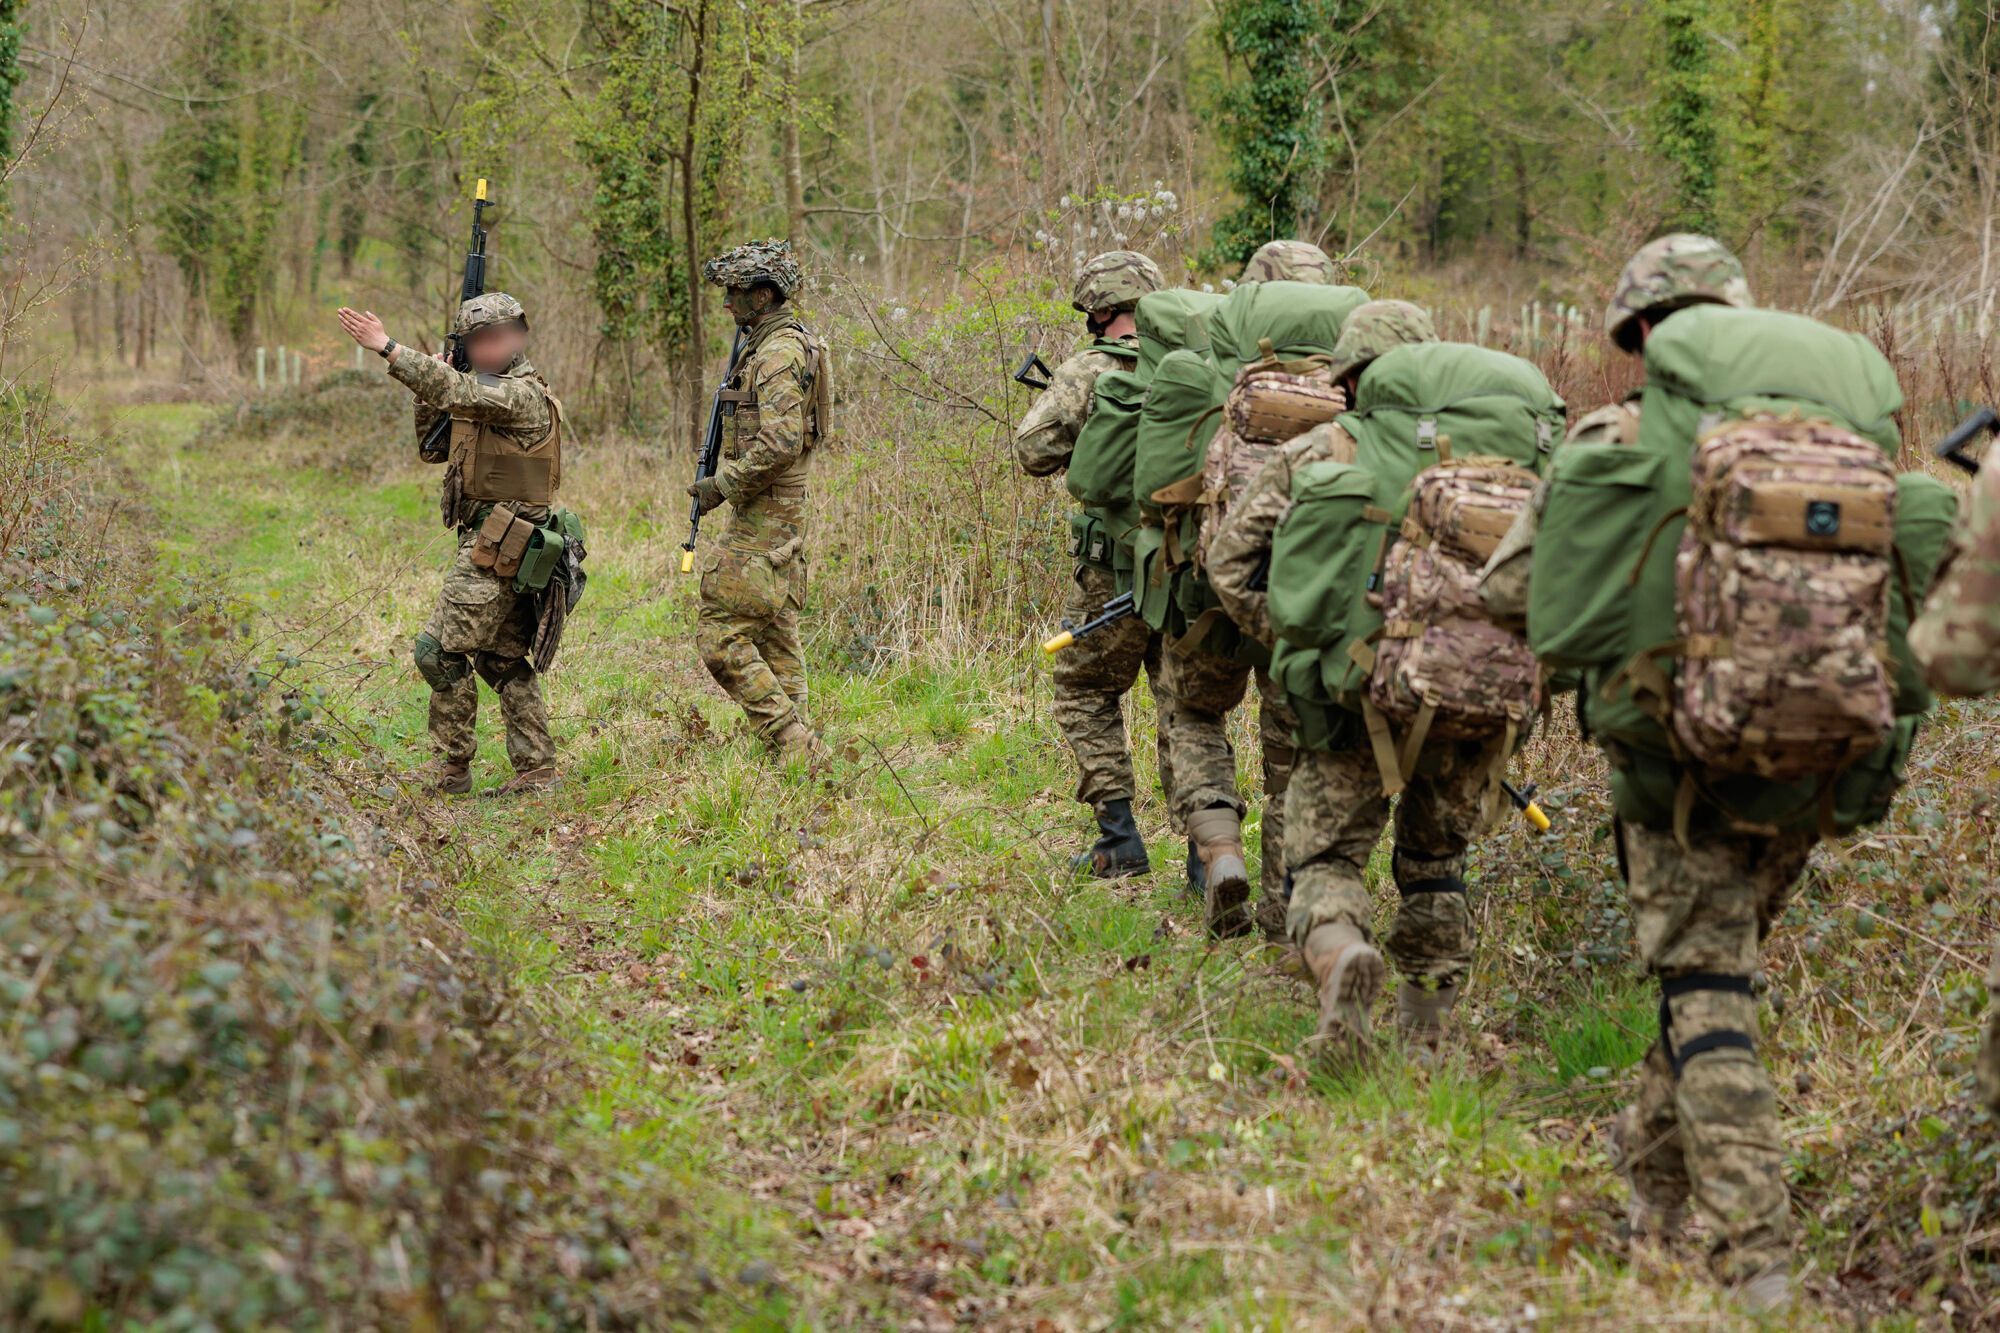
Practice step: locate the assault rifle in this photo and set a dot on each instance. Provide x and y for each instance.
(711, 453)
(1952, 447)
(1033, 372)
(1113, 611)
(438, 439)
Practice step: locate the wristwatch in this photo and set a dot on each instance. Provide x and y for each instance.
(388, 350)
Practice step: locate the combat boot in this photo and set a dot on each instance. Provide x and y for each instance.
(1350, 973)
(529, 780)
(1217, 834)
(1768, 1293)
(797, 740)
(1421, 1013)
(1119, 850)
(1270, 918)
(452, 777)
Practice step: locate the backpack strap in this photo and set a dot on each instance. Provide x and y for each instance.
(1184, 646)
(1646, 550)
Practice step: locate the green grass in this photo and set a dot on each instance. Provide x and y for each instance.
(901, 1060)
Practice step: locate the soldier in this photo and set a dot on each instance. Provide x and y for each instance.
(1957, 641)
(1705, 1123)
(1204, 687)
(753, 582)
(1093, 675)
(506, 456)
(1334, 806)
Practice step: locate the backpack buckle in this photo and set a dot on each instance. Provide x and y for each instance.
(1545, 433)
(1427, 433)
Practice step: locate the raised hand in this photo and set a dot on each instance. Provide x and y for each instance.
(365, 327)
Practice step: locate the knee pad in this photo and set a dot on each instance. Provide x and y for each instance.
(1443, 884)
(441, 670)
(498, 671)
(1672, 988)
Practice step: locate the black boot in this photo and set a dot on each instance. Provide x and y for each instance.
(1197, 873)
(1119, 850)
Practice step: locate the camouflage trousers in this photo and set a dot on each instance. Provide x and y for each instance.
(1092, 677)
(748, 632)
(1706, 1118)
(1987, 1067)
(483, 629)
(1334, 813)
(1204, 688)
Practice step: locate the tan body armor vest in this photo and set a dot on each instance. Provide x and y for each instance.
(491, 465)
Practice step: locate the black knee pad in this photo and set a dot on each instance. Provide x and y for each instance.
(498, 671)
(441, 670)
(1672, 988)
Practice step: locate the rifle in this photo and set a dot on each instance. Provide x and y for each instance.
(1113, 611)
(1952, 447)
(1524, 801)
(1034, 373)
(437, 440)
(711, 453)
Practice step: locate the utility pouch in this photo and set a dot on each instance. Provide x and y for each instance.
(501, 542)
(541, 560)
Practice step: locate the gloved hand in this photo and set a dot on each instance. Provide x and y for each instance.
(708, 492)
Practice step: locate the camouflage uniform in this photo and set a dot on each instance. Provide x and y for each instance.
(1705, 1123)
(1334, 806)
(1093, 675)
(753, 580)
(1291, 261)
(1957, 641)
(481, 628)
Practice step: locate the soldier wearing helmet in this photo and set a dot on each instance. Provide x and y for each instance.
(502, 468)
(1093, 676)
(753, 581)
(1703, 1127)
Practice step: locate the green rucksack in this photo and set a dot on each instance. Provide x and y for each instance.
(1295, 319)
(1181, 414)
(1170, 321)
(1100, 466)
(1415, 406)
(1604, 595)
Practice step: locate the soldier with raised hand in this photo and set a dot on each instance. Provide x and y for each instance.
(505, 454)
(1334, 806)
(1957, 642)
(1704, 1126)
(1093, 676)
(753, 581)
(1205, 687)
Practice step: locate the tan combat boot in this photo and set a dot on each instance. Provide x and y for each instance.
(1217, 833)
(1350, 974)
(533, 779)
(1421, 1013)
(453, 777)
(796, 739)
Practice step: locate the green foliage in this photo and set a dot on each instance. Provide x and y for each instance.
(10, 71)
(1685, 126)
(1270, 123)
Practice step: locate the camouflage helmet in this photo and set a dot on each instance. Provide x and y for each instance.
(1115, 280)
(1377, 327)
(1668, 273)
(488, 308)
(760, 261)
(1291, 261)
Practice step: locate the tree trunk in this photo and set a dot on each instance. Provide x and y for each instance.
(795, 184)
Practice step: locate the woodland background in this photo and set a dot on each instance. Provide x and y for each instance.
(220, 173)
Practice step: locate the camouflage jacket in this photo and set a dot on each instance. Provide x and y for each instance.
(766, 448)
(1239, 555)
(1503, 584)
(513, 404)
(1957, 638)
(1046, 436)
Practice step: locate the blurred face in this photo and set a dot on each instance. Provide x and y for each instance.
(493, 348)
(747, 305)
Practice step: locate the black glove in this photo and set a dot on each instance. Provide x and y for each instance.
(708, 491)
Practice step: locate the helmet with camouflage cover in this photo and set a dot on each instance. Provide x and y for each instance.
(760, 261)
(1115, 280)
(1377, 327)
(1673, 271)
(1291, 261)
(486, 309)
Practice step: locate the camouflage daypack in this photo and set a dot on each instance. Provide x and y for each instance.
(1782, 589)
(1271, 402)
